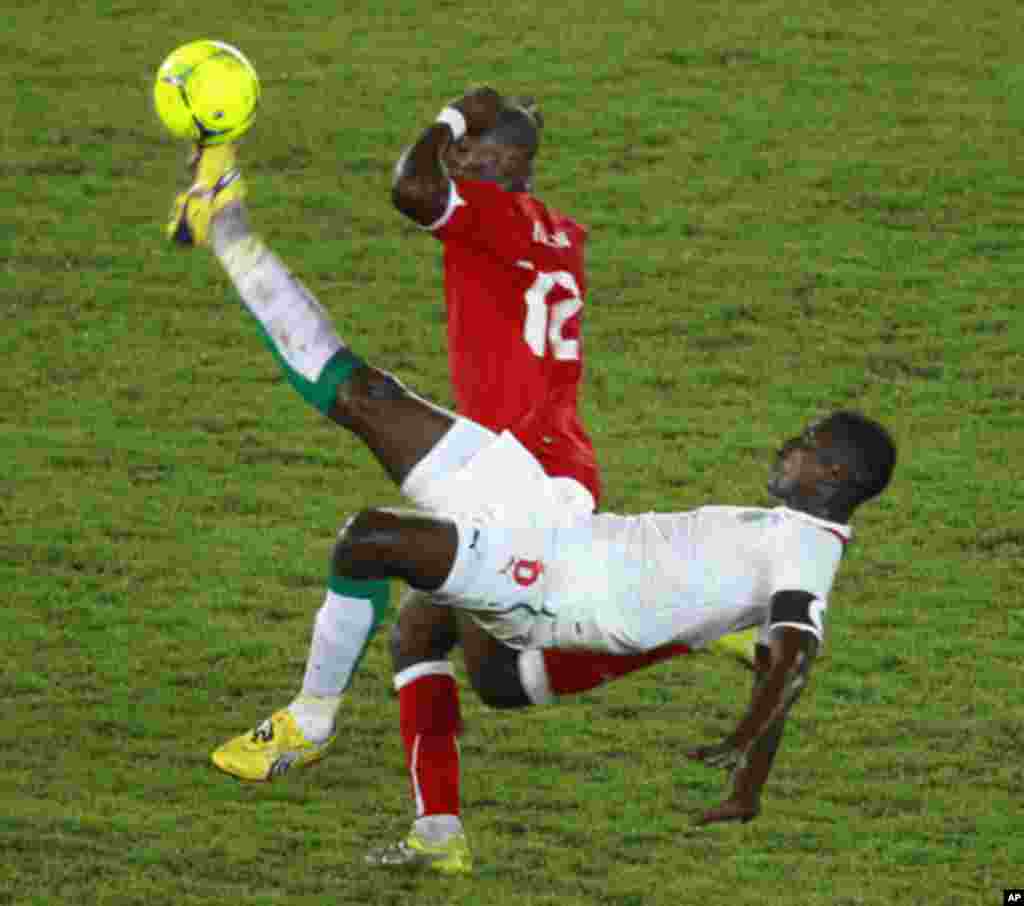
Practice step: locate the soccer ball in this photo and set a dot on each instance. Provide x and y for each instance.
(206, 92)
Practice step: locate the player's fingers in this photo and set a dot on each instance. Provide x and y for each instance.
(727, 811)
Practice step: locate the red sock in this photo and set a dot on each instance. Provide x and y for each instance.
(428, 708)
(578, 671)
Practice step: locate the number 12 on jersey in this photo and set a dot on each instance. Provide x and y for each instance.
(544, 323)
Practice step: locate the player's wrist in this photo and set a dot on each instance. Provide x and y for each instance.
(454, 119)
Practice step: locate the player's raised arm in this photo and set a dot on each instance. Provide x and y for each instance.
(421, 185)
(780, 676)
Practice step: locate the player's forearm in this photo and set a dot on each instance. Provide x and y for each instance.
(748, 780)
(766, 705)
(421, 184)
(776, 689)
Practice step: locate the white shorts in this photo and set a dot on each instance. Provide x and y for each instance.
(500, 477)
(573, 580)
(564, 583)
(503, 495)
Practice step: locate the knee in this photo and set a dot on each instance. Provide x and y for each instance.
(384, 543)
(497, 683)
(360, 543)
(493, 668)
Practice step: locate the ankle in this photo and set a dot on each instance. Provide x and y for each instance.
(437, 828)
(315, 715)
(229, 225)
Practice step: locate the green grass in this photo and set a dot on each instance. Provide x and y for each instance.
(794, 206)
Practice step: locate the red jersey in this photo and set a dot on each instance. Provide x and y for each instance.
(514, 289)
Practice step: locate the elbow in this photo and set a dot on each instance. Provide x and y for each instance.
(405, 196)
(420, 201)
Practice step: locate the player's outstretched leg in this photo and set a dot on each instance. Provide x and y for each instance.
(398, 427)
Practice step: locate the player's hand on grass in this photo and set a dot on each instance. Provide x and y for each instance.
(734, 808)
(480, 107)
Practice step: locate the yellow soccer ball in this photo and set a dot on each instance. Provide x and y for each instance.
(206, 92)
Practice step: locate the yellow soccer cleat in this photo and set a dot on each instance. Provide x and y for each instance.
(273, 747)
(451, 857)
(216, 183)
(737, 645)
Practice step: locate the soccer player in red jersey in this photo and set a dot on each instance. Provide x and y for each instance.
(515, 285)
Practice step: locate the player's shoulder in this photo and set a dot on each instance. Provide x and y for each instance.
(525, 216)
(480, 189)
(554, 227)
(763, 517)
(813, 527)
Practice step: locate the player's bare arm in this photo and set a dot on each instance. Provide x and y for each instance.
(421, 185)
(779, 679)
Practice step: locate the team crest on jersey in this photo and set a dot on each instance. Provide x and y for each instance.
(523, 572)
(757, 516)
(557, 240)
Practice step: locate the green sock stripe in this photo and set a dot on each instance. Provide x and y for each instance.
(322, 392)
(378, 593)
(336, 372)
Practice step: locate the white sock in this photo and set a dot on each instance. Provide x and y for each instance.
(437, 828)
(295, 323)
(340, 633)
(315, 715)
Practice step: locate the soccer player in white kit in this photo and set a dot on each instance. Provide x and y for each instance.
(501, 542)
(536, 574)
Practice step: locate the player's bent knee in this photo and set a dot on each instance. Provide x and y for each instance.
(493, 667)
(383, 543)
(362, 543)
(498, 684)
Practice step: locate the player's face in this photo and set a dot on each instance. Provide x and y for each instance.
(475, 157)
(800, 466)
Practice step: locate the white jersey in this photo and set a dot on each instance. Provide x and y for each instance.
(633, 583)
(538, 572)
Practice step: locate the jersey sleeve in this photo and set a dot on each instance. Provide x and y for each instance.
(797, 610)
(806, 561)
(448, 223)
(484, 215)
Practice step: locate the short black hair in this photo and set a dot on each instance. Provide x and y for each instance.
(867, 448)
(519, 124)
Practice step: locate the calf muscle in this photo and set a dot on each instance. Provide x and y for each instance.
(399, 427)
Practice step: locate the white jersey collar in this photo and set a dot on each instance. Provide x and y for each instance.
(844, 532)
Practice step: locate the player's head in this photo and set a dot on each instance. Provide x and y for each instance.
(504, 154)
(834, 466)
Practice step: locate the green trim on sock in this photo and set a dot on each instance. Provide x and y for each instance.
(322, 392)
(377, 592)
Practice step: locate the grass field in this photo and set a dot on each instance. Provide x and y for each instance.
(794, 206)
